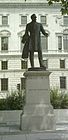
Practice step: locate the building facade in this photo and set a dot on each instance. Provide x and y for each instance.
(14, 15)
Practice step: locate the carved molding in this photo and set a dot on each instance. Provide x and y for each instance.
(29, 5)
(5, 33)
(65, 31)
(59, 34)
(36, 73)
(21, 33)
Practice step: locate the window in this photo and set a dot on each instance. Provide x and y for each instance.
(23, 20)
(45, 63)
(65, 42)
(65, 20)
(63, 82)
(23, 64)
(62, 63)
(22, 83)
(21, 44)
(4, 65)
(44, 43)
(4, 20)
(18, 87)
(4, 43)
(4, 84)
(60, 42)
(43, 19)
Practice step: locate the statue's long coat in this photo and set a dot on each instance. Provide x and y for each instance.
(34, 29)
(25, 41)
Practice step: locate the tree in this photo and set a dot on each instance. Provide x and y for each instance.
(63, 3)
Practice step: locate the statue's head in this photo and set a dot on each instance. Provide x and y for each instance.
(33, 17)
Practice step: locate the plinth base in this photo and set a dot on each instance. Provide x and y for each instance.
(38, 113)
(38, 118)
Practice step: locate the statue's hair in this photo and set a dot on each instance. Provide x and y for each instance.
(32, 16)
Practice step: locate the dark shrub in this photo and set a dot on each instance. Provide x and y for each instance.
(59, 100)
(14, 101)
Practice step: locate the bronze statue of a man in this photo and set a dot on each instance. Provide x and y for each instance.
(33, 30)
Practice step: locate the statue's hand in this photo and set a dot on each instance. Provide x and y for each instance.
(46, 34)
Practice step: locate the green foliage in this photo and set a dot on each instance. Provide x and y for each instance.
(13, 101)
(2, 104)
(64, 5)
(55, 98)
(64, 102)
(16, 100)
(59, 100)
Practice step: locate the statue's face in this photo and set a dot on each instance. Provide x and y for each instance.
(33, 17)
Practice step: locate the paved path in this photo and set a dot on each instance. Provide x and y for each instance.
(13, 132)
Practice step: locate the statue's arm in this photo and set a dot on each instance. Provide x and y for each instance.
(43, 31)
(26, 31)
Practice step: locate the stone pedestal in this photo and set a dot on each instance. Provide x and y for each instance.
(38, 112)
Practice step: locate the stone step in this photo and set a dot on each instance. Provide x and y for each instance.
(38, 135)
